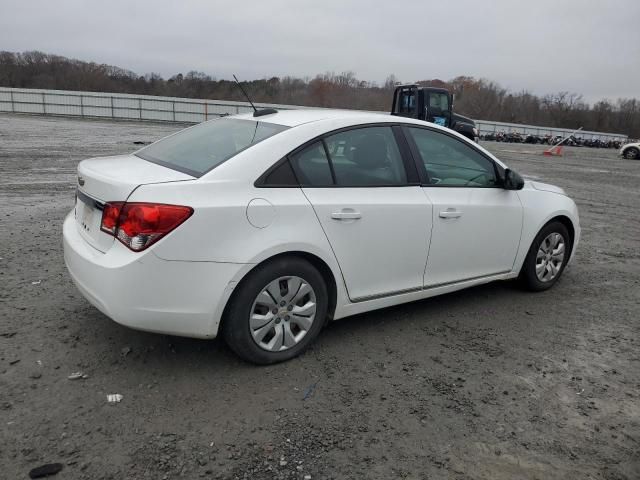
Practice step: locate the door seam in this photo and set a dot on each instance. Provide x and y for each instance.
(521, 230)
(344, 282)
(426, 263)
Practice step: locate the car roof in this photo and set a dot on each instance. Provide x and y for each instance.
(306, 116)
(316, 122)
(293, 118)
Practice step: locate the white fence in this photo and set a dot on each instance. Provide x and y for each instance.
(172, 109)
(485, 127)
(120, 105)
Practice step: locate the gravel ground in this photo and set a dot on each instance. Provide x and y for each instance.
(488, 383)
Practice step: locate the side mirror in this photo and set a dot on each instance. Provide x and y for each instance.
(512, 180)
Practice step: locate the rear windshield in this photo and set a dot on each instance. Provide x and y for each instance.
(198, 149)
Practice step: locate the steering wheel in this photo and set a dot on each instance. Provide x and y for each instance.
(472, 179)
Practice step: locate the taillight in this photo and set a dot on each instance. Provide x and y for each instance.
(139, 225)
(110, 216)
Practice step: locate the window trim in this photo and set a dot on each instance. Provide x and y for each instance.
(328, 155)
(422, 171)
(408, 161)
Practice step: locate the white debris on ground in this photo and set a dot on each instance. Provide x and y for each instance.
(114, 398)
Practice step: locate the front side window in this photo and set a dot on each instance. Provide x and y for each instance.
(439, 101)
(366, 157)
(199, 149)
(449, 162)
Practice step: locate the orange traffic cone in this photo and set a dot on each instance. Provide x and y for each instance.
(554, 151)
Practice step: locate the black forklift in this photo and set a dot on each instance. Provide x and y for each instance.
(431, 105)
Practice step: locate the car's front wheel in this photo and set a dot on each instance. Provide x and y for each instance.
(547, 257)
(632, 153)
(276, 311)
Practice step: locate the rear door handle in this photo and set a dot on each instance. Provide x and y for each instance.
(346, 215)
(450, 213)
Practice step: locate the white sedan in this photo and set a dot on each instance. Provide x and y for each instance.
(264, 227)
(630, 151)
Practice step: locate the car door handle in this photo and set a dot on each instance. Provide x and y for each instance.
(346, 215)
(450, 213)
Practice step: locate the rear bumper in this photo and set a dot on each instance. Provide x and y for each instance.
(142, 291)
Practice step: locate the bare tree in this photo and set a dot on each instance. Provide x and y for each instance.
(477, 98)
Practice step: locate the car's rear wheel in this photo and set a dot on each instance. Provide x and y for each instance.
(547, 257)
(632, 153)
(276, 311)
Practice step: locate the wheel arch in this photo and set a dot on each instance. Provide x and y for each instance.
(625, 149)
(571, 228)
(540, 208)
(320, 264)
(568, 223)
(559, 217)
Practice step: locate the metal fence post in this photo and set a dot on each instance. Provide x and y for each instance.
(173, 106)
(140, 108)
(13, 105)
(112, 114)
(44, 105)
(82, 106)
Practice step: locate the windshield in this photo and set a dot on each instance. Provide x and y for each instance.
(199, 149)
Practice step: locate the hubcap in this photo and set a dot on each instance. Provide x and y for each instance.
(282, 313)
(550, 257)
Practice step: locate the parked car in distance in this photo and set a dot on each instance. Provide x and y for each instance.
(263, 228)
(630, 151)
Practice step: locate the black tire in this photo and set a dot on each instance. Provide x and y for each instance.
(632, 153)
(528, 277)
(236, 326)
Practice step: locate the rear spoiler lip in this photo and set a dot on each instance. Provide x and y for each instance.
(90, 201)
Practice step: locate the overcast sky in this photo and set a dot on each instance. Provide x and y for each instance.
(586, 46)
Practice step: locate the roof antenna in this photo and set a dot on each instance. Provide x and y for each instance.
(256, 112)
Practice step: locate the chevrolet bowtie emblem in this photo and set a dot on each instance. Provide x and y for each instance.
(80, 181)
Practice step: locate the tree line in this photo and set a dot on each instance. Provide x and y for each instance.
(476, 98)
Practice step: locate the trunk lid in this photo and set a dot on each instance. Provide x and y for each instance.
(110, 179)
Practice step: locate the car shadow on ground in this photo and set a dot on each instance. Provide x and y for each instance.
(213, 356)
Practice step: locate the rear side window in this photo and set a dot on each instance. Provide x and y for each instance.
(281, 176)
(406, 101)
(366, 157)
(199, 149)
(312, 166)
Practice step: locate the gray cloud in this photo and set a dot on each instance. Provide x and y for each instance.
(587, 46)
